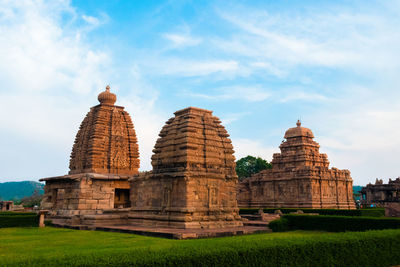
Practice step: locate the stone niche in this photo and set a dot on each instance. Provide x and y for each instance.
(300, 178)
(193, 182)
(105, 154)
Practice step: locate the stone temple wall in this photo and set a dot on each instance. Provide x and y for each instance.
(300, 178)
(81, 194)
(193, 182)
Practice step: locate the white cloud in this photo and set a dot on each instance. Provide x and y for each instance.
(362, 138)
(246, 93)
(244, 147)
(297, 95)
(180, 40)
(360, 42)
(188, 68)
(232, 117)
(51, 75)
(91, 20)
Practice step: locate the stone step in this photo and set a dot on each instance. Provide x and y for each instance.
(251, 217)
(256, 223)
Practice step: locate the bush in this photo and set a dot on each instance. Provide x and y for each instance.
(13, 213)
(370, 212)
(340, 223)
(8, 219)
(373, 248)
(280, 225)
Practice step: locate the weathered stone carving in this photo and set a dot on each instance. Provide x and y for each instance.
(300, 177)
(193, 182)
(106, 141)
(105, 154)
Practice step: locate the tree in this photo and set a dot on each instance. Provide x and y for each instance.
(33, 200)
(247, 166)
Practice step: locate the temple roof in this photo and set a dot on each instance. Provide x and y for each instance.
(106, 141)
(298, 131)
(194, 143)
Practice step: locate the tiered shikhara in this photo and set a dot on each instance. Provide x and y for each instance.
(193, 182)
(106, 141)
(300, 177)
(105, 154)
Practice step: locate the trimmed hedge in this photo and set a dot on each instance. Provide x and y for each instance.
(373, 248)
(333, 223)
(280, 225)
(370, 212)
(15, 219)
(16, 213)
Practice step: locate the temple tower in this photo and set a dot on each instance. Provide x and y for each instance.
(106, 141)
(193, 182)
(300, 177)
(104, 155)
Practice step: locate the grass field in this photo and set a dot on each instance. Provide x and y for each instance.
(53, 246)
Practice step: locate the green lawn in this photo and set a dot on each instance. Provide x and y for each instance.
(54, 246)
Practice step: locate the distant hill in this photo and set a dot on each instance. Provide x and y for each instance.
(18, 190)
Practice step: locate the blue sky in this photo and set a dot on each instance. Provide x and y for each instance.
(259, 65)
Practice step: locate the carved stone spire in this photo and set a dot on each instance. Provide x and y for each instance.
(106, 141)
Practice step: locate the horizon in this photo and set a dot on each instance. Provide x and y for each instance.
(259, 66)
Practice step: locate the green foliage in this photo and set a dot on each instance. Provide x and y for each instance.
(13, 213)
(247, 166)
(340, 223)
(63, 247)
(33, 200)
(280, 225)
(370, 212)
(23, 219)
(17, 190)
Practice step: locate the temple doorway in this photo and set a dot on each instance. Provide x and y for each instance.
(121, 199)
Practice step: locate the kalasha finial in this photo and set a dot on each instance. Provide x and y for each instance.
(298, 123)
(106, 97)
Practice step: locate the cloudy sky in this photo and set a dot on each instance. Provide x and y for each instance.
(259, 65)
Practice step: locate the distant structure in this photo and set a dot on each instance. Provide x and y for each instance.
(105, 154)
(193, 182)
(383, 195)
(6, 205)
(300, 177)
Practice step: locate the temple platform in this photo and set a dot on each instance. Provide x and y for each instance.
(174, 233)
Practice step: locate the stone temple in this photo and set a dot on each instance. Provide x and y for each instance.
(383, 195)
(105, 154)
(300, 178)
(193, 182)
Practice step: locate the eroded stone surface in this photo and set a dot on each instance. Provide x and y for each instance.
(300, 177)
(106, 141)
(193, 182)
(104, 155)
